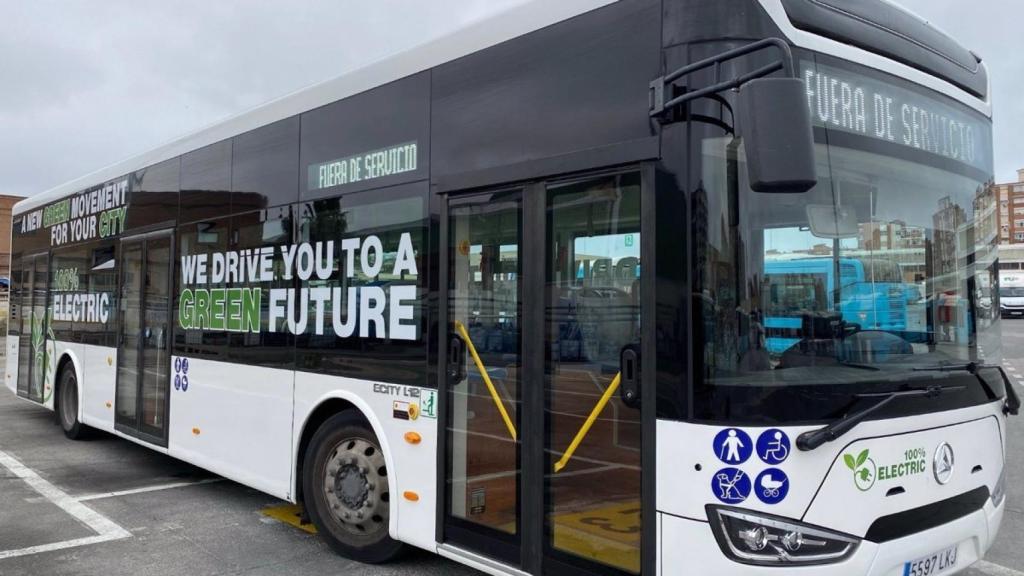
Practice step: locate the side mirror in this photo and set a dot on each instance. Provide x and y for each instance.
(776, 128)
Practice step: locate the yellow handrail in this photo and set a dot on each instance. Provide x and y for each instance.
(605, 398)
(461, 329)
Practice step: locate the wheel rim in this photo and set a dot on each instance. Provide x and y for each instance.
(355, 486)
(68, 404)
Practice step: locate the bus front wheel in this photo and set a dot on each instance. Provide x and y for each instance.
(345, 489)
(67, 404)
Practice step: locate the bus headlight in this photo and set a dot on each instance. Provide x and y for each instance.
(766, 540)
(999, 491)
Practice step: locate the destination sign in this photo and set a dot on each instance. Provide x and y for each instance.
(363, 167)
(844, 100)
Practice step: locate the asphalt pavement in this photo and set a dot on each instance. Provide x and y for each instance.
(106, 506)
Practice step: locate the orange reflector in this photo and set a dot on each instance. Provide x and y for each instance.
(195, 431)
(411, 496)
(412, 438)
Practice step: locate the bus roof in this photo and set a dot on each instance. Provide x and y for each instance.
(530, 16)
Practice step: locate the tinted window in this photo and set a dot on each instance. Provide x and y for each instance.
(199, 240)
(375, 139)
(206, 182)
(153, 197)
(250, 232)
(67, 286)
(265, 167)
(373, 325)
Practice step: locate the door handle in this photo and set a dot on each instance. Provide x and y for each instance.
(629, 367)
(456, 359)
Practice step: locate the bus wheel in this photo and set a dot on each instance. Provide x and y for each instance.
(67, 404)
(345, 489)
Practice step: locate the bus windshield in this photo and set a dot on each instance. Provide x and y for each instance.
(886, 267)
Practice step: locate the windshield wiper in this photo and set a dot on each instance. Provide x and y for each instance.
(815, 438)
(1011, 405)
(971, 367)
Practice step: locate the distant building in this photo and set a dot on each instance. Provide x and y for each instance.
(1011, 223)
(1011, 210)
(6, 203)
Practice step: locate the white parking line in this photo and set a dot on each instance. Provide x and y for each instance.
(991, 569)
(145, 489)
(105, 528)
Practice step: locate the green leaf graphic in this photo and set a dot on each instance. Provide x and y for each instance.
(862, 458)
(849, 462)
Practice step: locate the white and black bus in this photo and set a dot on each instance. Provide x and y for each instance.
(504, 297)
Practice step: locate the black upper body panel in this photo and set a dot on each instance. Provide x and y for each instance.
(888, 30)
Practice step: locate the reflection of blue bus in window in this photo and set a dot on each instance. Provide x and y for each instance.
(871, 294)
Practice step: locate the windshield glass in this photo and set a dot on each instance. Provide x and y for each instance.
(886, 268)
(1011, 292)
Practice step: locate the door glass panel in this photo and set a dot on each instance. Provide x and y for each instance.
(130, 303)
(483, 305)
(155, 335)
(25, 335)
(42, 358)
(592, 313)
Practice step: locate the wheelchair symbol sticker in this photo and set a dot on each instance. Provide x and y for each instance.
(730, 485)
(181, 374)
(733, 446)
(771, 486)
(773, 446)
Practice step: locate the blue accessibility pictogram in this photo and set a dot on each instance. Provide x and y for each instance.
(177, 364)
(730, 485)
(773, 446)
(184, 365)
(771, 486)
(733, 446)
(184, 383)
(177, 381)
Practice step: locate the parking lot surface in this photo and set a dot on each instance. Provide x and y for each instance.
(106, 506)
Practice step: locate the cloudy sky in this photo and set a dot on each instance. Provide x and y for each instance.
(85, 83)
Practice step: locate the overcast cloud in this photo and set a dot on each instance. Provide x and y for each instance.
(84, 84)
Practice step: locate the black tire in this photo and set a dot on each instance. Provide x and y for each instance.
(345, 490)
(67, 404)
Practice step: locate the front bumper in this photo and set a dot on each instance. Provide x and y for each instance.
(686, 546)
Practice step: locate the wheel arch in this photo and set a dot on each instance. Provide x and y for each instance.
(334, 403)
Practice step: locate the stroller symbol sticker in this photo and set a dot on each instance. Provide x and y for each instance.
(733, 446)
(731, 485)
(773, 446)
(772, 485)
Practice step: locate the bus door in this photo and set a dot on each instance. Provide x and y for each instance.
(542, 365)
(35, 345)
(143, 365)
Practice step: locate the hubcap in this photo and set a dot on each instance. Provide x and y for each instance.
(356, 486)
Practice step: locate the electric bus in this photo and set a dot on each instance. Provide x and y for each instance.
(502, 296)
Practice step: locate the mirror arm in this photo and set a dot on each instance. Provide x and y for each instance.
(659, 106)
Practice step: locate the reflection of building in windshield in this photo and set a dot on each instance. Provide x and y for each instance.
(947, 222)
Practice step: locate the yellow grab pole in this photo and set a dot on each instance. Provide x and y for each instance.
(487, 379)
(605, 398)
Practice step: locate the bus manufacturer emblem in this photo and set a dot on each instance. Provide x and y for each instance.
(942, 463)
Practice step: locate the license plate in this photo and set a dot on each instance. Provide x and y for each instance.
(932, 564)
